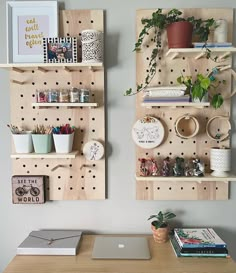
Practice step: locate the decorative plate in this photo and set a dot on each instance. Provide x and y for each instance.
(148, 132)
(93, 150)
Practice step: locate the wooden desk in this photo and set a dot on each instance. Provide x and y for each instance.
(163, 261)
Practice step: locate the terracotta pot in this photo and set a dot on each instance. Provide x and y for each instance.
(160, 235)
(179, 35)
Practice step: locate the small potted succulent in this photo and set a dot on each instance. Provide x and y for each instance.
(160, 226)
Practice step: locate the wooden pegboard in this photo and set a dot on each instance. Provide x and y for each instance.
(70, 182)
(199, 146)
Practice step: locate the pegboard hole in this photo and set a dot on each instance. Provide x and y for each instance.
(34, 119)
(181, 188)
(171, 70)
(205, 188)
(71, 188)
(93, 118)
(182, 153)
(82, 188)
(146, 153)
(94, 188)
(159, 83)
(158, 153)
(92, 83)
(69, 119)
(158, 188)
(82, 176)
(146, 188)
(47, 166)
(35, 166)
(170, 118)
(194, 153)
(70, 165)
(94, 176)
(33, 107)
(59, 177)
(170, 142)
(94, 165)
(93, 131)
(24, 166)
(80, 22)
(193, 188)
(58, 119)
(28, 171)
(183, 70)
(67, 22)
(32, 71)
(68, 83)
(59, 188)
(183, 58)
(182, 141)
(68, 34)
(71, 177)
(147, 59)
(147, 46)
(33, 95)
(45, 119)
(170, 153)
(206, 153)
(170, 188)
(33, 83)
(57, 83)
(21, 95)
(22, 107)
(91, 21)
(195, 70)
(56, 71)
(216, 188)
(22, 119)
(82, 142)
(45, 83)
(159, 70)
(171, 82)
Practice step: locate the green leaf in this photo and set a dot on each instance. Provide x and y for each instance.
(217, 101)
(128, 92)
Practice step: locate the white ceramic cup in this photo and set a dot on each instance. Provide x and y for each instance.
(220, 161)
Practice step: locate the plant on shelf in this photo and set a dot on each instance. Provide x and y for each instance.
(199, 89)
(178, 28)
(160, 225)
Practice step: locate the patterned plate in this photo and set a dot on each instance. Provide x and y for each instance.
(93, 150)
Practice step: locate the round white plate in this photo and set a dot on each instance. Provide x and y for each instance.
(93, 150)
(148, 132)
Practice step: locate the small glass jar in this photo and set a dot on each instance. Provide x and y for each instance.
(84, 95)
(53, 95)
(74, 95)
(63, 95)
(41, 96)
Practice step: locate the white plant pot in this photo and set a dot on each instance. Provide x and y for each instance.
(63, 143)
(23, 142)
(92, 46)
(220, 162)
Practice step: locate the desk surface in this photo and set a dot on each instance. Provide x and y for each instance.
(163, 261)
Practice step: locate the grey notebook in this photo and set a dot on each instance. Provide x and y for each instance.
(121, 248)
(50, 242)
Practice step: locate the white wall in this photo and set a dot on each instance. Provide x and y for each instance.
(120, 213)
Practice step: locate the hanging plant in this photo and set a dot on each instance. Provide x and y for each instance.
(159, 22)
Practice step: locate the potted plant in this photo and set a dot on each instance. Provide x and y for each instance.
(199, 88)
(177, 28)
(160, 227)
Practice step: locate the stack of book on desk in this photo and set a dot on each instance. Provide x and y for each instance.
(199, 242)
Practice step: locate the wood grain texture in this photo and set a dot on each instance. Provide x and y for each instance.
(163, 261)
(168, 70)
(71, 181)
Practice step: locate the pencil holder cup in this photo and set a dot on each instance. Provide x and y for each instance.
(63, 143)
(23, 142)
(42, 143)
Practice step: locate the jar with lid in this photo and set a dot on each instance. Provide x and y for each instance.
(63, 95)
(52, 95)
(84, 95)
(41, 95)
(74, 95)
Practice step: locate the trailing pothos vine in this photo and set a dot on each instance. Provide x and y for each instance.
(159, 21)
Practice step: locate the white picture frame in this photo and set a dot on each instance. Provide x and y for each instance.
(28, 22)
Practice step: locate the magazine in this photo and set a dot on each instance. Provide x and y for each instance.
(198, 237)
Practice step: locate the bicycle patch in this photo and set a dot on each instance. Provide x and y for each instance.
(28, 189)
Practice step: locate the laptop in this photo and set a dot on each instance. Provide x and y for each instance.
(129, 248)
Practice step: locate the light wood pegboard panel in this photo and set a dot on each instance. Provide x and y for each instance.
(69, 182)
(199, 146)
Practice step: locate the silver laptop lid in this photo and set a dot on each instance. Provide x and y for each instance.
(121, 248)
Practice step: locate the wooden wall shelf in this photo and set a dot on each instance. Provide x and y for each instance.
(207, 177)
(174, 105)
(49, 155)
(69, 105)
(198, 53)
(45, 67)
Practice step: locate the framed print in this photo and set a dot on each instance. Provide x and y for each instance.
(28, 22)
(60, 50)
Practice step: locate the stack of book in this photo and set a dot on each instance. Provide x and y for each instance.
(166, 94)
(199, 242)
